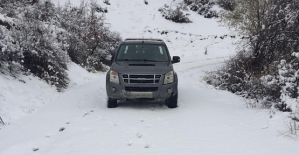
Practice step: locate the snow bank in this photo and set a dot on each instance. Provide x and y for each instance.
(23, 95)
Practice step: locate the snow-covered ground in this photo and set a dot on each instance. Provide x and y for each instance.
(207, 121)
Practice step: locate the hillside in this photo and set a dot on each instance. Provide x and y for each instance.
(207, 121)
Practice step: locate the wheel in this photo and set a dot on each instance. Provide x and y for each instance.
(172, 102)
(111, 103)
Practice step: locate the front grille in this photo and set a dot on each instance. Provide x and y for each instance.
(142, 78)
(141, 81)
(141, 89)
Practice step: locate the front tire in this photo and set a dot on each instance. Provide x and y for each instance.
(172, 102)
(112, 103)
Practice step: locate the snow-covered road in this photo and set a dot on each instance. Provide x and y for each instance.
(207, 122)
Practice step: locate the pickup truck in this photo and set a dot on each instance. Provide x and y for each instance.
(142, 69)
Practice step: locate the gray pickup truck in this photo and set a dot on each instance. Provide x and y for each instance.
(142, 69)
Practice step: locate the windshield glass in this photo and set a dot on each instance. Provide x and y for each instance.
(141, 52)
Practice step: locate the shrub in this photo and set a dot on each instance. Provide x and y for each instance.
(266, 67)
(90, 41)
(175, 15)
(106, 2)
(30, 45)
(41, 56)
(227, 4)
(37, 37)
(9, 53)
(202, 7)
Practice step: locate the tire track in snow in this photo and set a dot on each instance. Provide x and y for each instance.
(186, 69)
(195, 61)
(135, 132)
(199, 66)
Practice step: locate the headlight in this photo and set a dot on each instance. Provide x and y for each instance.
(168, 77)
(114, 77)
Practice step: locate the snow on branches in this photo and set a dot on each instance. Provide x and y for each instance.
(175, 13)
(41, 39)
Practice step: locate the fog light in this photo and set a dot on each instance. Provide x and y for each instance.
(113, 89)
(169, 90)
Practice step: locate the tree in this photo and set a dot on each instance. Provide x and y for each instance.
(30, 45)
(265, 67)
(89, 40)
(247, 17)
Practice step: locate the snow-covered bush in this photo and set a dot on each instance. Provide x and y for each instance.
(30, 45)
(88, 39)
(202, 7)
(106, 2)
(175, 13)
(227, 4)
(110, 46)
(41, 53)
(266, 67)
(9, 53)
(5, 24)
(234, 77)
(37, 37)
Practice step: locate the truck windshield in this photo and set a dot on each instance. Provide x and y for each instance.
(141, 52)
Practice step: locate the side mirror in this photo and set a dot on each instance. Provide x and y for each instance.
(112, 57)
(108, 60)
(176, 59)
(109, 57)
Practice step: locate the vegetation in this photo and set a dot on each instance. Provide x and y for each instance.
(38, 38)
(267, 65)
(204, 7)
(175, 13)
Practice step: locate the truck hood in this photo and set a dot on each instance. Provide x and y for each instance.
(141, 67)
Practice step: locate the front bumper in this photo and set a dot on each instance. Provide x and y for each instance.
(161, 94)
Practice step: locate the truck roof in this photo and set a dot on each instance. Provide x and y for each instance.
(143, 41)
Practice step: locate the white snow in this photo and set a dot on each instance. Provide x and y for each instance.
(77, 121)
(23, 95)
(6, 19)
